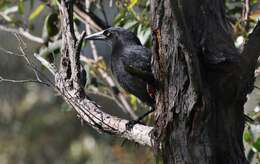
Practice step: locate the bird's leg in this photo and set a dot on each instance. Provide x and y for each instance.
(131, 123)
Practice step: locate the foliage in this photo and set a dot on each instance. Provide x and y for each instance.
(129, 18)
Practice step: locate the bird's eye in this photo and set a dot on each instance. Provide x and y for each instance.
(107, 34)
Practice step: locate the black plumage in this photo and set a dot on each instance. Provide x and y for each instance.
(130, 64)
(83, 76)
(130, 61)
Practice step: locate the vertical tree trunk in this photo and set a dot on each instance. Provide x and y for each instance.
(204, 82)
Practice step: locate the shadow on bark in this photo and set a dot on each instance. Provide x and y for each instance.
(204, 82)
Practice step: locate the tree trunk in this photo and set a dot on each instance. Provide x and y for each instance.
(203, 81)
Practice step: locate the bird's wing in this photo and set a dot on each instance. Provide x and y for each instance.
(137, 61)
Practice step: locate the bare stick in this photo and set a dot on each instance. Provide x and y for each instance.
(89, 110)
(85, 18)
(31, 65)
(22, 32)
(22, 81)
(245, 11)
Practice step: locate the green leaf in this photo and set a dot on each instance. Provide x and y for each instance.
(21, 7)
(119, 18)
(51, 26)
(256, 145)
(130, 24)
(247, 137)
(146, 36)
(131, 4)
(133, 100)
(36, 12)
(254, 2)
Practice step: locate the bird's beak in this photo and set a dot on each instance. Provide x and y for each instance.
(96, 36)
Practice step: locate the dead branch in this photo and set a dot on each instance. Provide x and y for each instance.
(23, 81)
(67, 84)
(22, 32)
(32, 66)
(245, 13)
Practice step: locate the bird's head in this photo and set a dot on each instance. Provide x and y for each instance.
(115, 35)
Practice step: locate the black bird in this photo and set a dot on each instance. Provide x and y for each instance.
(130, 63)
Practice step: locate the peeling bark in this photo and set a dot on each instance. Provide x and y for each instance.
(204, 82)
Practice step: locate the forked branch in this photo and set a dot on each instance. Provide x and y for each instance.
(68, 85)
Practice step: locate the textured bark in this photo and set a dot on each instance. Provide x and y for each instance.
(204, 82)
(67, 84)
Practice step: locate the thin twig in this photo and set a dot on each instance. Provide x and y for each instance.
(9, 52)
(23, 81)
(7, 11)
(245, 13)
(32, 66)
(85, 18)
(48, 65)
(22, 32)
(103, 12)
(92, 45)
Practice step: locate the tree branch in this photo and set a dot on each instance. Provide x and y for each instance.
(22, 81)
(245, 13)
(22, 32)
(32, 66)
(86, 18)
(67, 84)
(91, 113)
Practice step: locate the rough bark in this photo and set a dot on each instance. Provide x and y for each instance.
(67, 84)
(204, 82)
